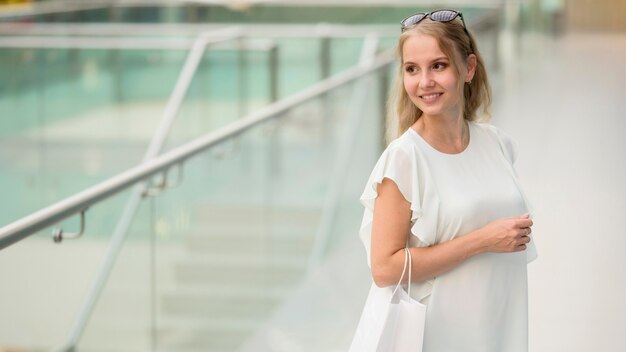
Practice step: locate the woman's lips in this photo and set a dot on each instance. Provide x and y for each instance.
(431, 97)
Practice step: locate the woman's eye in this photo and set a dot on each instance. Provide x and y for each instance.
(439, 66)
(410, 69)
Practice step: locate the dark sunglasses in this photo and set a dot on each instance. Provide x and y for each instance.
(439, 16)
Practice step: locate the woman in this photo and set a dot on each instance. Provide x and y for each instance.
(446, 186)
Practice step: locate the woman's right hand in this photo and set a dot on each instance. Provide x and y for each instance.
(507, 234)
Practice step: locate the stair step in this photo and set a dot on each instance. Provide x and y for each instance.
(116, 333)
(276, 245)
(215, 293)
(193, 334)
(216, 326)
(217, 305)
(238, 260)
(247, 275)
(239, 264)
(247, 230)
(256, 214)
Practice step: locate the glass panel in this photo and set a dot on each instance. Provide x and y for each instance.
(234, 239)
(212, 263)
(74, 117)
(300, 64)
(331, 289)
(44, 284)
(230, 83)
(123, 315)
(208, 263)
(345, 53)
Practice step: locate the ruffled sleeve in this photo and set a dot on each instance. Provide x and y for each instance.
(508, 145)
(405, 166)
(509, 148)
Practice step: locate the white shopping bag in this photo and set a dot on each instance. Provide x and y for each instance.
(391, 324)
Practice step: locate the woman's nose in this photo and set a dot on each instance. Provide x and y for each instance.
(426, 81)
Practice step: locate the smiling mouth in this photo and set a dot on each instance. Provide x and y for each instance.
(430, 97)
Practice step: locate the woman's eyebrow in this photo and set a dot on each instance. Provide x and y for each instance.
(441, 58)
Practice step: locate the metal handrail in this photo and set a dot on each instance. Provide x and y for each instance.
(56, 212)
(58, 6)
(61, 6)
(125, 43)
(173, 30)
(14, 232)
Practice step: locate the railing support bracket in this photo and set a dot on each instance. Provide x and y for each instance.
(163, 184)
(58, 236)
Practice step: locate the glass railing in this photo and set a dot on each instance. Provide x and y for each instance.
(210, 264)
(221, 93)
(233, 239)
(122, 320)
(262, 156)
(71, 118)
(202, 13)
(74, 117)
(326, 302)
(44, 284)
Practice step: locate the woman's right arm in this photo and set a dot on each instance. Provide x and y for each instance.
(392, 224)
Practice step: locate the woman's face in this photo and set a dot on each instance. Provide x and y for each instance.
(429, 78)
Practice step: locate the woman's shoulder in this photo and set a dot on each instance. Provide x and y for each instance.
(401, 157)
(404, 143)
(490, 129)
(506, 143)
(486, 127)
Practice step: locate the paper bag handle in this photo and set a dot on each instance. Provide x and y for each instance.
(407, 260)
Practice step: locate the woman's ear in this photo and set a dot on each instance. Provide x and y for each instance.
(471, 67)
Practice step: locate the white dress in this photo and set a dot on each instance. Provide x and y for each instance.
(482, 304)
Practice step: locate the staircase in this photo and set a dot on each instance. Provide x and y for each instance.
(236, 266)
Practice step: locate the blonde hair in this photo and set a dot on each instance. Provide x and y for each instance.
(457, 45)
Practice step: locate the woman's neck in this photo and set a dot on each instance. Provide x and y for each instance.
(450, 135)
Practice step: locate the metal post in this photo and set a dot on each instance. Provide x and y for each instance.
(115, 14)
(324, 57)
(242, 73)
(273, 72)
(191, 13)
(239, 143)
(115, 65)
(325, 73)
(274, 158)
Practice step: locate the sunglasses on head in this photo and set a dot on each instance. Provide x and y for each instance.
(438, 16)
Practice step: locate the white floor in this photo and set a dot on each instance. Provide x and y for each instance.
(563, 100)
(560, 99)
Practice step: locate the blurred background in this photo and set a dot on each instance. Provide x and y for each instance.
(229, 142)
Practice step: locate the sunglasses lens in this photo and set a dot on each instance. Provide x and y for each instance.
(410, 21)
(444, 15)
